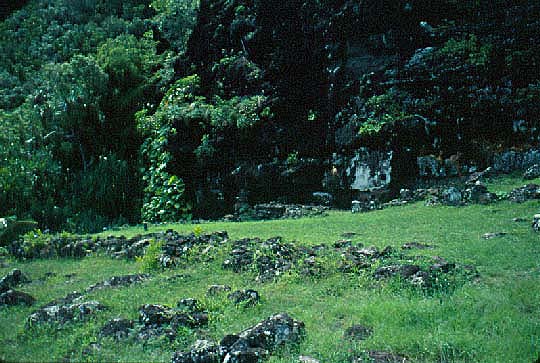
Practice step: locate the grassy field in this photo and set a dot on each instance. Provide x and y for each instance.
(495, 318)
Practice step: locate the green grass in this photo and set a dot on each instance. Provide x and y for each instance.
(493, 319)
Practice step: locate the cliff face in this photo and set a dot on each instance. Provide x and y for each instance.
(402, 78)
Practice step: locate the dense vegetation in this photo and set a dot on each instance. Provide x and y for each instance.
(115, 112)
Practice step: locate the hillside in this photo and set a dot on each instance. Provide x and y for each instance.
(479, 305)
(117, 112)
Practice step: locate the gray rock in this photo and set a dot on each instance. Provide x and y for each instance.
(306, 359)
(117, 328)
(415, 245)
(12, 297)
(524, 193)
(12, 279)
(244, 297)
(323, 198)
(491, 235)
(69, 309)
(405, 271)
(536, 222)
(202, 351)
(119, 281)
(532, 172)
(250, 346)
(452, 196)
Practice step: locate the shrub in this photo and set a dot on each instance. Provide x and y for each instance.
(150, 260)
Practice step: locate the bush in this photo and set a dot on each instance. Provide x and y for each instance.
(150, 260)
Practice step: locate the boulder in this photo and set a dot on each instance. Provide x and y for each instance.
(119, 281)
(524, 193)
(532, 172)
(116, 328)
(250, 346)
(12, 297)
(68, 309)
(12, 279)
(202, 351)
(244, 297)
(536, 222)
(452, 196)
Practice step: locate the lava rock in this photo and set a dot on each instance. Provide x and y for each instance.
(536, 222)
(404, 271)
(491, 235)
(116, 328)
(12, 279)
(65, 310)
(12, 297)
(414, 244)
(119, 281)
(532, 172)
(524, 193)
(452, 196)
(246, 297)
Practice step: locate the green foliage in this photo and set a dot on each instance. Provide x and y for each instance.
(469, 49)
(382, 110)
(175, 19)
(198, 231)
(150, 261)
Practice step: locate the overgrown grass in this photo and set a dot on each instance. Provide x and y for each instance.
(492, 319)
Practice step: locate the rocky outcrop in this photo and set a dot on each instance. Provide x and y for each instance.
(73, 307)
(12, 279)
(12, 297)
(251, 345)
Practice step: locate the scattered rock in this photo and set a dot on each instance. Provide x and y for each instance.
(12, 279)
(452, 196)
(343, 243)
(214, 290)
(478, 193)
(536, 222)
(64, 310)
(161, 320)
(415, 244)
(264, 337)
(250, 346)
(358, 332)
(202, 351)
(491, 235)
(12, 297)
(117, 328)
(524, 193)
(441, 265)
(306, 359)
(244, 297)
(405, 271)
(119, 281)
(323, 198)
(532, 172)
(356, 206)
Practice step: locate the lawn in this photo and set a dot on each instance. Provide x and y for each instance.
(492, 318)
